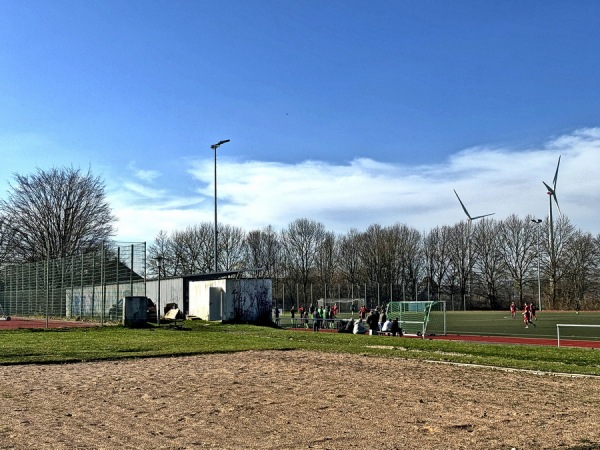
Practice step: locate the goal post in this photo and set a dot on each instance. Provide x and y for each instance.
(427, 318)
(345, 305)
(573, 336)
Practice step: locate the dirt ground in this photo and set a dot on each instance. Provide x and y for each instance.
(292, 400)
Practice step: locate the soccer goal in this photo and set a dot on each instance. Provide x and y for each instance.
(345, 305)
(419, 318)
(581, 335)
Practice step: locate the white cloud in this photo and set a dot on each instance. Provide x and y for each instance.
(143, 174)
(147, 175)
(144, 191)
(504, 181)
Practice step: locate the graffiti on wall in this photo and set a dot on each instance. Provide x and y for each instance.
(252, 300)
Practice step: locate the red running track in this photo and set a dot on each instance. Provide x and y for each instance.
(519, 340)
(20, 322)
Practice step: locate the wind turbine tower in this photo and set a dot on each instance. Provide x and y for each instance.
(552, 195)
(469, 226)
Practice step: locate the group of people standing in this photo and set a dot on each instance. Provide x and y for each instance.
(529, 316)
(323, 317)
(374, 320)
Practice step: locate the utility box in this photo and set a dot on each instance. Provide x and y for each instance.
(135, 311)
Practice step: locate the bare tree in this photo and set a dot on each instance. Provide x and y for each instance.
(390, 256)
(462, 261)
(6, 238)
(194, 248)
(372, 253)
(162, 247)
(56, 213)
(326, 262)
(184, 252)
(557, 264)
(489, 264)
(231, 247)
(263, 250)
(262, 253)
(300, 242)
(405, 259)
(437, 254)
(582, 267)
(348, 258)
(519, 250)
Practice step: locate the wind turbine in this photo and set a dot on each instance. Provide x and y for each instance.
(469, 225)
(552, 194)
(471, 219)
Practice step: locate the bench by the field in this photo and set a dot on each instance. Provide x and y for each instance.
(175, 317)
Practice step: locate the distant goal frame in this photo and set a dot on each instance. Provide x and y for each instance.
(571, 325)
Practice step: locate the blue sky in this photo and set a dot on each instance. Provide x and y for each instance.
(346, 112)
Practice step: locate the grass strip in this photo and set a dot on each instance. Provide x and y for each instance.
(115, 342)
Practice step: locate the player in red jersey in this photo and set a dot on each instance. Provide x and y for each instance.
(526, 315)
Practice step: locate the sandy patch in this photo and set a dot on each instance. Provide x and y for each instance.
(292, 400)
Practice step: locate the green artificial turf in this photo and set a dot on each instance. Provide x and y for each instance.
(500, 323)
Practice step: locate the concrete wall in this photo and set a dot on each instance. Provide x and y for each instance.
(231, 300)
(171, 291)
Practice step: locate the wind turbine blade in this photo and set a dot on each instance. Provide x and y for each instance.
(556, 201)
(550, 190)
(556, 173)
(463, 206)
(484, 215)
(552, 193)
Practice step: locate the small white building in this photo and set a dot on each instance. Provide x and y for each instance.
(231, 299)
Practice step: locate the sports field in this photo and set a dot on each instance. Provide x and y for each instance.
(461, 323)
(501, 324)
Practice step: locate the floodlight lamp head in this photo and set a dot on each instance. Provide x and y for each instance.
(218, 144)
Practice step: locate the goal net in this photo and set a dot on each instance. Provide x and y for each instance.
(345, 305)
(419, 318)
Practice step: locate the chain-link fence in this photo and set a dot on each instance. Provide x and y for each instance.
(86, 286)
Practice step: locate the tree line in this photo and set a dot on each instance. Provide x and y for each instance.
(483, 264)
(486, 265)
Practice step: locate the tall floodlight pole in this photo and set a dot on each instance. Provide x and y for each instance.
(47, 287)
(215, 147)
(538, 221)
(159, 260)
